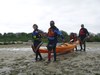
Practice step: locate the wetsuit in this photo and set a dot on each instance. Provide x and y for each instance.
(73, 37)
(82, 35)
(36, 41)
(53, 32)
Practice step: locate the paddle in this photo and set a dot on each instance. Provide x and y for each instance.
(35, 49)
(38, 46)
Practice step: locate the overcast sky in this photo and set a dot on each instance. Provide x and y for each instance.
(20, 15)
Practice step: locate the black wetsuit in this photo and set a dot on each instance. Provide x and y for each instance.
(52, 40)
(36, 41)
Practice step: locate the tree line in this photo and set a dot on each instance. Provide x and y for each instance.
(12, 38)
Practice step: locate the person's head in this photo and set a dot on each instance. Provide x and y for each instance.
(52, 23)
(35, 26)
(82, 25)
(71, 33)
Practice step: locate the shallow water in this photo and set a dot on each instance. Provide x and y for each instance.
(91, 46)
(16, 49)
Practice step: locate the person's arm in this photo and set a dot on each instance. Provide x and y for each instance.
(42, 33)
(87, 32)
(59, 33)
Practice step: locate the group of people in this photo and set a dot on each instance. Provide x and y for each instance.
(52, 35)
(83, 35)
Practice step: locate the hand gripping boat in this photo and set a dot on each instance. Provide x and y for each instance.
(65, 47)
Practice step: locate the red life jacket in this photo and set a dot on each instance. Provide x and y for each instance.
(73, 36)
(50, 32)
(82, 32)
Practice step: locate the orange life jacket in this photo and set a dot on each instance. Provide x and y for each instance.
(50, 32)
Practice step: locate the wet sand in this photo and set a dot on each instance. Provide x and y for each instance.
(19, 60)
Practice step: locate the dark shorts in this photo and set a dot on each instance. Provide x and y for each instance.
(36, 43)
(51, 45)
(82, 38)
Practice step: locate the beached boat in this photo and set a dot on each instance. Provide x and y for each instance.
(65, 47)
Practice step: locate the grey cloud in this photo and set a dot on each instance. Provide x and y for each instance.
(66, 14)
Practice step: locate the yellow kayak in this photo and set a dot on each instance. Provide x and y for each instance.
(65, 47)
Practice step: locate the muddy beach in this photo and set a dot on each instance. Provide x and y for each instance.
(19, 60)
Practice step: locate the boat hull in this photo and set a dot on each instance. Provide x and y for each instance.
(66, 47)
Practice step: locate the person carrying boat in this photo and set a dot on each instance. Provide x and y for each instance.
(53, 33)
(73, 38)
(83, 35)
(37, 42)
